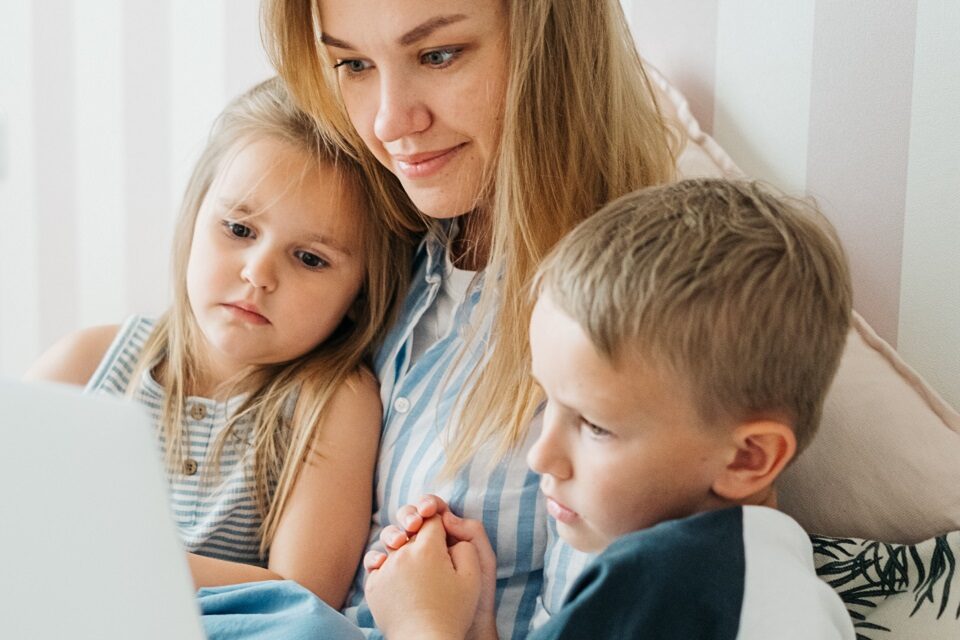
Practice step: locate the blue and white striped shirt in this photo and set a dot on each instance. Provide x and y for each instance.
(418, 398)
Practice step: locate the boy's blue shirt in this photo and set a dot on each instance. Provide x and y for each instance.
(741, 573)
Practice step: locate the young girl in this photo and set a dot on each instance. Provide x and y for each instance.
(268, 419)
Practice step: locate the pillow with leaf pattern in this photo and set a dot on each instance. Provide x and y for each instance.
(895, 591)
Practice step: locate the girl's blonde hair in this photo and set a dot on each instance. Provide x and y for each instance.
(281, 440)
(581, 126)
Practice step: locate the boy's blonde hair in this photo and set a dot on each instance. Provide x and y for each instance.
(580, 127)
(281, 441)
(742, 296)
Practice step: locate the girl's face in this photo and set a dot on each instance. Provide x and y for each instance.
(423, 83)
(275, 262)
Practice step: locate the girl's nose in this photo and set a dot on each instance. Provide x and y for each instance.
(548, 455)
(260, 271)
(401, 111)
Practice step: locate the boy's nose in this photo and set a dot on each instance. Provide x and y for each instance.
(548, 453)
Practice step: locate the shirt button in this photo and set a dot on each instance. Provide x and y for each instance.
(189, 467)
(198, 412)
(402, 405)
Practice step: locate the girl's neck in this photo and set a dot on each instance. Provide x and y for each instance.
(209, 384)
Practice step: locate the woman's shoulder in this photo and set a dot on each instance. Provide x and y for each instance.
(74, 358)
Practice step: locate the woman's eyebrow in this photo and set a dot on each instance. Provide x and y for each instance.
(426, 28)
(416, 34)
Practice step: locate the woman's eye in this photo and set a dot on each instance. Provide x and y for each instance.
(440, 58)
(238, 230)
(311, 260)
(353, 66)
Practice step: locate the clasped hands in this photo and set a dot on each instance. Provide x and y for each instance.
(437, 579)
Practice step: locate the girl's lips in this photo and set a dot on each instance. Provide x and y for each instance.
(424, 165)
(561, 513)
(246, 314)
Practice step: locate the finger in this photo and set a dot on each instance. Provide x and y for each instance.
(409, 519)
(393, 537)
(373, 560)
(430, 505)
(465, 559)
(432, 533)
(462, 528)
(472, 531)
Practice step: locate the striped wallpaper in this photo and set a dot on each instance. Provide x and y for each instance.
(855, 104)
(104, 105)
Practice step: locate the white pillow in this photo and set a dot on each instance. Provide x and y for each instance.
(886, 461)
(895, 592)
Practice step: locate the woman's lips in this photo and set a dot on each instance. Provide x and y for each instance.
(560, 512)
(424, 165)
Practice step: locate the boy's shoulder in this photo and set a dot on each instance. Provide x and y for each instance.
(733, 573)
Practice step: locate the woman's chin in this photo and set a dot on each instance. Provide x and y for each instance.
(439, 201)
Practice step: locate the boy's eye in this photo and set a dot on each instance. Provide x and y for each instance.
(353, 65)
(440, 58)
(311, 259)
(595, 431)
(237, 229)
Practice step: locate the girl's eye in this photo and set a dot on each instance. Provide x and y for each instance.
(440, 58)
(311, 260)
(238, 230)
(353, 66)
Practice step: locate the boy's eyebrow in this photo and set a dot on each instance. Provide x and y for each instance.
(416, 34)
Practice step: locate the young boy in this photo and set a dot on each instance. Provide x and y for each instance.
(685, 337)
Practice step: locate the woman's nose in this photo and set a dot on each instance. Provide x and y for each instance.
(548, 454)
(259, 270)
(402, 110)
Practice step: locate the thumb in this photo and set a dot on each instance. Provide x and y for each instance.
(462, 529)
(432, 533)
(466, 560)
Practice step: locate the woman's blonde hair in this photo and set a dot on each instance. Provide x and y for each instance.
(581, 126)
(281, 440)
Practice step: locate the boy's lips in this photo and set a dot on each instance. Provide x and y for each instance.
(561, 512)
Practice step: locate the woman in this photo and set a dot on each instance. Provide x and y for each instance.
(505, 123)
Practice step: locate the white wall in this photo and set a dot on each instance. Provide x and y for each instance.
(855, 104)
(103, 107)
(107, 104)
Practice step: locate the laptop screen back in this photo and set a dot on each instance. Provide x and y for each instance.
(90, 548)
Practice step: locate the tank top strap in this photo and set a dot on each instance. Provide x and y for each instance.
(113, 374)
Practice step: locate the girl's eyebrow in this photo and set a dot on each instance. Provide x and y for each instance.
(416, 34)
(330, 243)
(241, 206)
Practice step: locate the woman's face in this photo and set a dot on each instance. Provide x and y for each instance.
(423, 83)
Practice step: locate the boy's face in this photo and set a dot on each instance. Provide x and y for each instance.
(621, 448)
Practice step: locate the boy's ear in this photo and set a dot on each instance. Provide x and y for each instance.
(763, 448)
